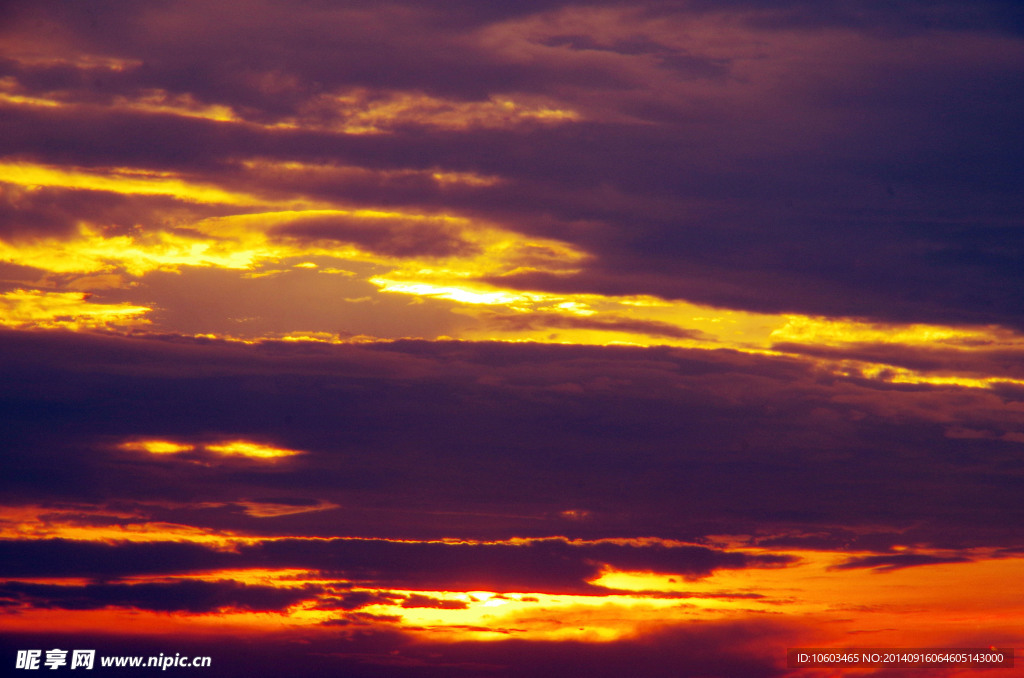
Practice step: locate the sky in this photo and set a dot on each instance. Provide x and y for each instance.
(498, 339)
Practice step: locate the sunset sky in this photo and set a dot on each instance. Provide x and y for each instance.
(494, 338)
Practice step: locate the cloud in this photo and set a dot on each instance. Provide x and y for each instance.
(865, 212)
(540, 566)
(827, 175)
(48, 211)
(23, 308)
(354, 600)
(531, 321)
(910, 17)
(535, 566)
(66, 558)
(885, 563)
(421, 439)
(396, 237)
(416, 600)
(196, 597)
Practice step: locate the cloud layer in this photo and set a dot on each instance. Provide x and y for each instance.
(601, 442)
(830, 170)
(630, 337)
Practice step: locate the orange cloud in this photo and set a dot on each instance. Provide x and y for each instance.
(228, 448)
(157, 446)
(250, 450)
(25, 309)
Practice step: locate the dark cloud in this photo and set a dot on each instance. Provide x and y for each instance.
(608, 323)
(677, 59)
(882, 186)
(544, 566)
(275, 60)
(48, 212)
(93, 138)
(541, 566)
(353, 600)
(898, 561)
(362, 619)
(98, 560)
(196, 597)
(913, 17)
(40, 212)
(416, 600)
(396, 237)
(414, 439)
(949, 360)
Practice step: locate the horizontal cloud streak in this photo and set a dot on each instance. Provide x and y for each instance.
(183, 596)
(609, 442)
(551, 566)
